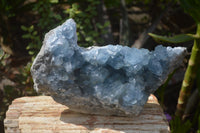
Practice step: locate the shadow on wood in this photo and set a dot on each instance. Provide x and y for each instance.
(41, 114)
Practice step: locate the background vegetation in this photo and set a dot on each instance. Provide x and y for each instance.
(23, 24)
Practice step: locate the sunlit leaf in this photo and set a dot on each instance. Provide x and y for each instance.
(88, 38)
(31, 52)
(53, 1)
(28, 47)
(31, 28)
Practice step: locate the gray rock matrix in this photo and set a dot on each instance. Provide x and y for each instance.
(108, 80)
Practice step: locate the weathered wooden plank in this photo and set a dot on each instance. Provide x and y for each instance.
(41, 114)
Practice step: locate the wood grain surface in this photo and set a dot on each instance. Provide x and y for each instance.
(41, 114)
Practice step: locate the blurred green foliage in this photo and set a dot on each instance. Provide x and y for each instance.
(47, 20)
(35, 43)
(178, 126)
(88, 30)
(11, 8)
(83, 13)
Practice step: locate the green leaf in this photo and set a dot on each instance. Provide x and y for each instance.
(75, 6)
(98, 25)
(175, 39)
(34, 33)
(106, 24)
(26, 36)
(23, 28)
(28, 47)
(31, 28)
(31, 52)
(88, 39)
(53, 1)
(77, 12)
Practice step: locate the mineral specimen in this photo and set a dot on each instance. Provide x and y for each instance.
(109, 80)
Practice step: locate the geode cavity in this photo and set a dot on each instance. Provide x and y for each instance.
(109, 80)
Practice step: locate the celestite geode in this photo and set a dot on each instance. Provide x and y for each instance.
(109, 80)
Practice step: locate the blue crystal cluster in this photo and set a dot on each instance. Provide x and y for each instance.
(109, 80)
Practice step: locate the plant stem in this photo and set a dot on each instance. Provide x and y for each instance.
(190, 75)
